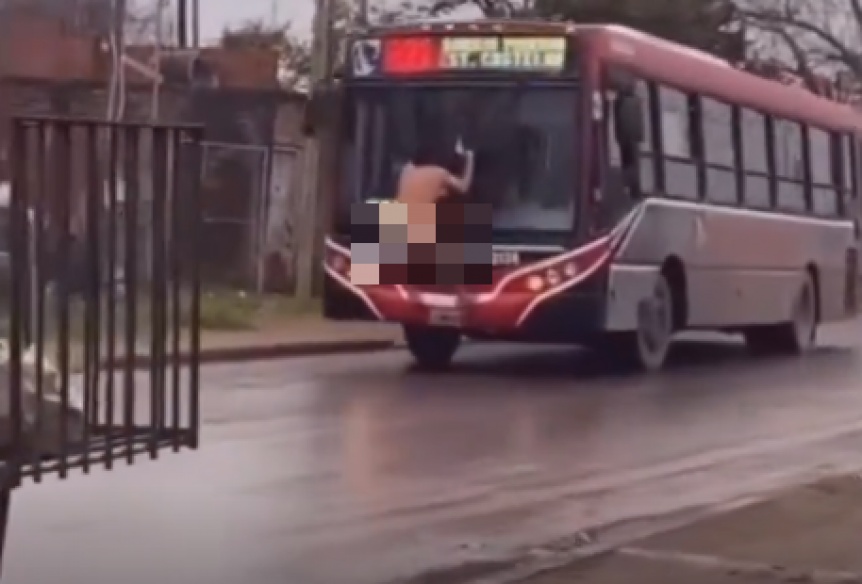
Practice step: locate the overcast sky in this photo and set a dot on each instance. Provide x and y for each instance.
(216, 14)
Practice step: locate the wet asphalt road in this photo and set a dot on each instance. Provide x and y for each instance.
(355, 470)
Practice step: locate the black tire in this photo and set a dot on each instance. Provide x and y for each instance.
(432, 347)
(646, 348)
(761, 340)
(795, 337)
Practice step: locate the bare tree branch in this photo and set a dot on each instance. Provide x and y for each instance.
(856, 9)
(792, 20)
(800, 55)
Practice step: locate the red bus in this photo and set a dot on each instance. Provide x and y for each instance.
(637, 189)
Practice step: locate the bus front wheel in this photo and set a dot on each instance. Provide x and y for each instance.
(432, 347)
(646, 348)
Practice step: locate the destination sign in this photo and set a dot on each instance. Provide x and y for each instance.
(433, 54)
(524, 53)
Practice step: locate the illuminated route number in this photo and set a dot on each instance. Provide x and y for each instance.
(410, 55)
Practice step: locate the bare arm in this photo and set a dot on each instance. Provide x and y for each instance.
(463, 183)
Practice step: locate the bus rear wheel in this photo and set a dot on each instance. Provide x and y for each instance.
(646, 348)
(432, 347)
(795, 337)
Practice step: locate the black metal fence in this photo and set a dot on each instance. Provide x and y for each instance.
(102, 361)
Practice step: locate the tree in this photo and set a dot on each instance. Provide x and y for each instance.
(294, 50)
(813, 36)
(490, 8)
(96, 17)
(710, 25)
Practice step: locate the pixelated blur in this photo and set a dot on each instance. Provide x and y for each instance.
(421, 244)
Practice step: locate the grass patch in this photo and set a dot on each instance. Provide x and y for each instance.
(221, 310)
(228, 311)
(231, 310)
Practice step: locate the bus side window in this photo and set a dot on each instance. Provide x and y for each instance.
(848, 195)
(823, 195)
(648, 149)
(857, 152)
(857, 167)
(789, 175)
(717, 124)
(641, 167)
(680, 169)
(755, 161)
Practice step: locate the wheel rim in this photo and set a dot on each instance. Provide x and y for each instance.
(656, 324)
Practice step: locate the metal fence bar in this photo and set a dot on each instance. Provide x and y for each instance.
(193, 219)
(66, 267)
(113, 145)
(158, 288)
(40, 283)
(90, 406)
(175, 281)
(131, 173)
(92, 296)
(18, 262)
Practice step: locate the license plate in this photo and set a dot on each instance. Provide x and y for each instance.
(451, 317)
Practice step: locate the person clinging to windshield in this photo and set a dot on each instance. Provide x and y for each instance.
(427, 179)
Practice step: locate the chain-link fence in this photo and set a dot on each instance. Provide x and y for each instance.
(234, 183)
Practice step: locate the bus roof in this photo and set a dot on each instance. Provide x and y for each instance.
(477, 26)
(655, 58)
(693, 70)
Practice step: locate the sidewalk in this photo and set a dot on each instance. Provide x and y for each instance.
(811, 534)
(294, 338)
(299, 337)
(304, 336)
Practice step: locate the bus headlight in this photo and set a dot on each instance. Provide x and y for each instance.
(338, 263)
(548, 277)
(535, 284)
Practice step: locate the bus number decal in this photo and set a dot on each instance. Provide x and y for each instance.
(506, 258)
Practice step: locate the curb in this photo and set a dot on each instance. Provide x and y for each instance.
(271, 351)
(532, 563)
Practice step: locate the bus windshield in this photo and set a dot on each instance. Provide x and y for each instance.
(523, 137)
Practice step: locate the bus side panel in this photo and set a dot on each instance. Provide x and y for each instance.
(742, 267)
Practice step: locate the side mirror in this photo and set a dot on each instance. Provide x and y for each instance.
(628, 113)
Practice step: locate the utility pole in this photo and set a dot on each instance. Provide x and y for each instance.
(183, 24)
(196, 23)
(273, 13)
(362, 13)
(118, 46)
(312, 210)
